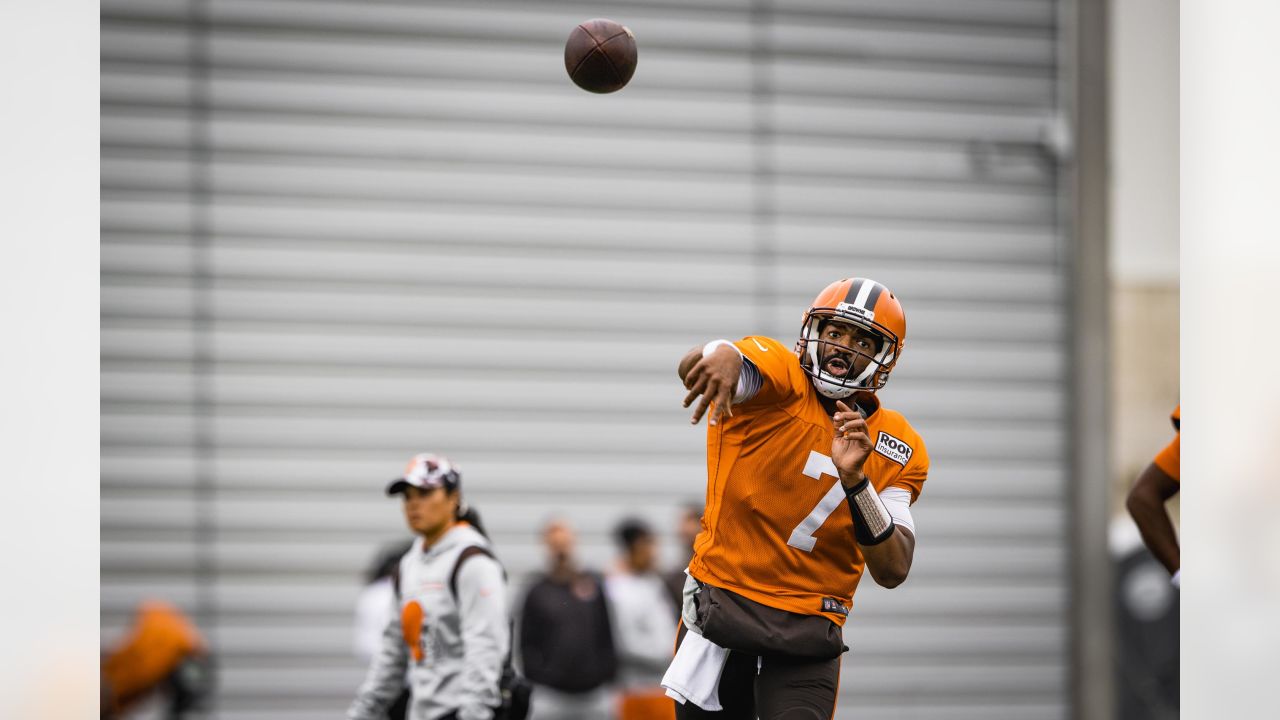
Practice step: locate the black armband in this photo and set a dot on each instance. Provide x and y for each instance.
(872, 523)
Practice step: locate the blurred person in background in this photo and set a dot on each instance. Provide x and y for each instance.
(375, 607)
(644, 623)
(566, 641)
(809, 483)
(688, 526)
(1147, 605)
(449, 627)
(163, 653)
(1160, 481)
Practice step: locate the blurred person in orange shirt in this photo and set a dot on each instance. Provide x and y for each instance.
(1160, 481)
(163, 653)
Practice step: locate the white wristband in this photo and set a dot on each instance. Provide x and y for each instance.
(1177, 578)
(711, 347)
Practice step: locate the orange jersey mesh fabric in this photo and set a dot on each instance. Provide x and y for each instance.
(1169, 459)
(777, 528)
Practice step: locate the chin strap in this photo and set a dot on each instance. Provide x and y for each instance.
(832, 390)
(872, 523)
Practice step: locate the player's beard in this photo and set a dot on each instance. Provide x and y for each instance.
(838, 365)
(841, 363)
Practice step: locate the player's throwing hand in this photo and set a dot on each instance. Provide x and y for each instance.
(851, 444)
(714, 377)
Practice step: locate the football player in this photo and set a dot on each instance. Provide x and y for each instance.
(1157, 483)
(809, 482)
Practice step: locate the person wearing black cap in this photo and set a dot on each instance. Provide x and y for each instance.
(450, 627)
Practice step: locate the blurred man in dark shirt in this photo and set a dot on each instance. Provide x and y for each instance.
(566, 643)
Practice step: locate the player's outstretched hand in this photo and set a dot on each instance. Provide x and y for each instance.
(714, 377)
(851, 445)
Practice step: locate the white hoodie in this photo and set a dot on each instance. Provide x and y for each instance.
(461, 644)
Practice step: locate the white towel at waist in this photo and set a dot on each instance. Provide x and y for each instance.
(694, 674)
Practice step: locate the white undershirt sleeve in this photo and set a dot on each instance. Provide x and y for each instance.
(898, 502)
(749, 382)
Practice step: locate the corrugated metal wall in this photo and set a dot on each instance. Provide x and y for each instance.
(337, 233)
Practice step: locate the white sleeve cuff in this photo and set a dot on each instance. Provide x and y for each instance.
(898, 502)
(749, 379)
(711, 347)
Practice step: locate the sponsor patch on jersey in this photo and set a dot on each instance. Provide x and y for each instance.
(834, 605)
(893, 448)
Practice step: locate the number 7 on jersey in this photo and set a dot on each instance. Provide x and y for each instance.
(815, 467)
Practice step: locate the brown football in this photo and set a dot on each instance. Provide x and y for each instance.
(600, 56)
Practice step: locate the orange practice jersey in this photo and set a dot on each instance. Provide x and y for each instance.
(777, 528)
(1170, 458)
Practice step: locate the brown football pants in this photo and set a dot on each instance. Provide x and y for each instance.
(775, 688)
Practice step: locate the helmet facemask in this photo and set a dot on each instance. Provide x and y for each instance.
(812, 348)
